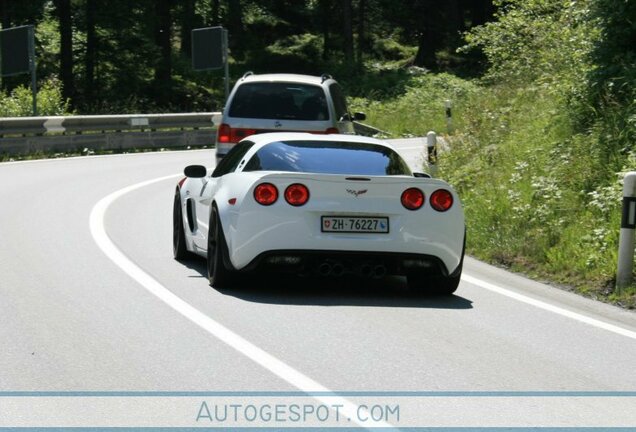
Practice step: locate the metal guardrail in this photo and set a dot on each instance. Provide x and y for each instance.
(28, 135)
(25, 135)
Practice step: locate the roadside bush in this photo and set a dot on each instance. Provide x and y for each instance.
(537, 153)
(20, 102)
(419, 109)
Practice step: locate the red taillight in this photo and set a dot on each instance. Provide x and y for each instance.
(223, 133)
(332, 130)
(226, 134)
(265, 194)
(441, 200)
(297, 194)
(238, 134)
(412, 198)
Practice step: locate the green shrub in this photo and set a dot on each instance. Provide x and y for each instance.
(20, 102)
(540, 145)
(419, 109)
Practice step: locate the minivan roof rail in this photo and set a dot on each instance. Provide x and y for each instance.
(246, 74)
(324, 77)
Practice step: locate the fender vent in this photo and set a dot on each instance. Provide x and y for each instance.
(190, 214)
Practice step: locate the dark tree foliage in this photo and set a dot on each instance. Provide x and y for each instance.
(616, 51)
(612, 86)
(134, 55)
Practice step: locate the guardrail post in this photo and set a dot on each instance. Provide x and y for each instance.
(449, 116)
(624, 275)
(431, 154)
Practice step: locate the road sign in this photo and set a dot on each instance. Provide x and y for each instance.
(209, 51)
(17, 55)
(208, 48)
(15, 50)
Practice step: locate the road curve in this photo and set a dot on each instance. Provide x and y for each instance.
(73, 319)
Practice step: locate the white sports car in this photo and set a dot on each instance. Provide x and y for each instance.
(320, 205)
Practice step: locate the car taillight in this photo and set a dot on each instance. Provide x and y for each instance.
(223, 133)
(238, 134)
(226, 134)
(412, 198)
(332, 130)
(441, 200)
(265, 194)
(297, 194)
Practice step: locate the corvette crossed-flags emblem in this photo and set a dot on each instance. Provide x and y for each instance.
(357, 192)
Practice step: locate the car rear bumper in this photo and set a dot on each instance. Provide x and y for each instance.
(440, 250)
(337, 263)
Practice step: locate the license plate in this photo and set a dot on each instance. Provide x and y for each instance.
(354, 224)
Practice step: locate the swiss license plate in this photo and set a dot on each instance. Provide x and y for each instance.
(354, 224)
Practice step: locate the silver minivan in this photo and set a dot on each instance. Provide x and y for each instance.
(283, 102)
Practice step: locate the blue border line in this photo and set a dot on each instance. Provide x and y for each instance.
(419, 429)
(508, 394)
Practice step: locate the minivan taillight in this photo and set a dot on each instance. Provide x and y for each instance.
(226, 134)
(223, 133)
(332, 130)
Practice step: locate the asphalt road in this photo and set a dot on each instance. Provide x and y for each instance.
(78, 316)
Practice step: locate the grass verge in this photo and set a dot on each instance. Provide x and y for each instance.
(540, 198)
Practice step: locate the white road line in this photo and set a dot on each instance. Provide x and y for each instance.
(253, 352)
(549, 307)
(225, 335)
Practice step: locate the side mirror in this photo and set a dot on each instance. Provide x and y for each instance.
(195, 171)
(359, 116)
(421, 175)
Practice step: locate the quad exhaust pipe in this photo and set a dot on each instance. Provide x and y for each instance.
(325, 269)
(366, 270)
(379, 271)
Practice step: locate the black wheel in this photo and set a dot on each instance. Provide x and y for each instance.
(437, 284)
(179, 250)
(434, 284)
(219, 274)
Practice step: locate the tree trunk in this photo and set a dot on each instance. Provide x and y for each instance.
(91, 51)
(235, 27)
(216, 12)
(63, 9)
(325, 15)
(163, 39)
(362, 38)
(347, 32)
(187, 24)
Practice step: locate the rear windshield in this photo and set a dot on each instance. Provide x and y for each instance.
(280, 101)
(328, 157)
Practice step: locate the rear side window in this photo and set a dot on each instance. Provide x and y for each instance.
(339, 102)
(327, 157)
(231, 160)
(279, 101)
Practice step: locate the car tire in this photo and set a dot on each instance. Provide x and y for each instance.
(437, 284)
(433, 284)
(219, 274)
(179, 249)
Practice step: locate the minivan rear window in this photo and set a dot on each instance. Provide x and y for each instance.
(328, 157)
(279, 101)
